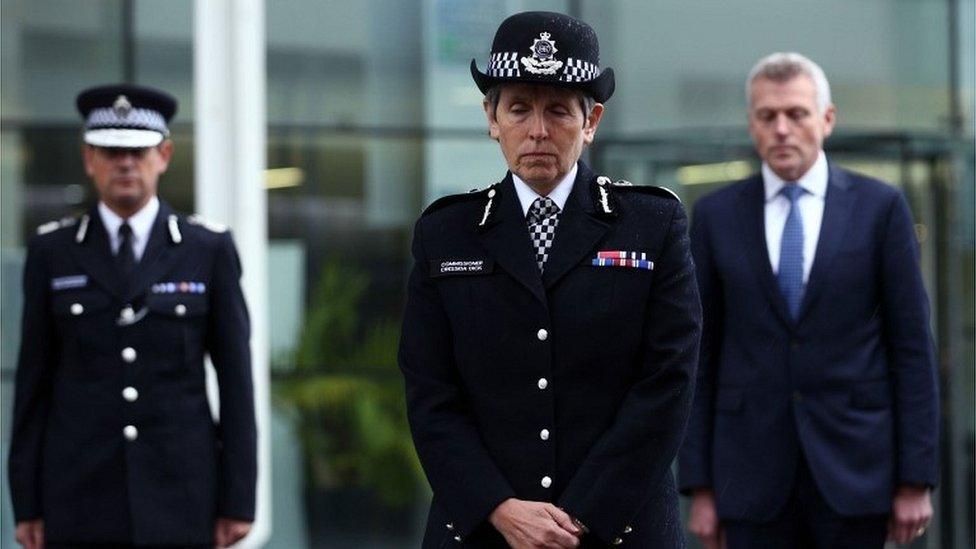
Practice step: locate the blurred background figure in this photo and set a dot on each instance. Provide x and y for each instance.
(113, 440)
(815, 421)
(369, 116)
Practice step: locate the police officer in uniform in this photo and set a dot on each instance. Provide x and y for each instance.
(113, 441)
(552, 321)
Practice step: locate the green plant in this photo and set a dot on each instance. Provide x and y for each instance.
(347, 393)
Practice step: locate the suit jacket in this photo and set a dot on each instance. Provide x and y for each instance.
(113, 440)
(601, 358)
(851, 383)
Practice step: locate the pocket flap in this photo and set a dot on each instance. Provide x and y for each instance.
(178, 305)
(79, 303)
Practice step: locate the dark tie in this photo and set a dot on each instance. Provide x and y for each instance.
(126, 257)
(790, 274)
(542, 219)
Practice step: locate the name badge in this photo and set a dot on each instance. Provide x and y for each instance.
(69, 282)
(452, 267)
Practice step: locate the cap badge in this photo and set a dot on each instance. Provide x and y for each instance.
(122, 107)
(543, 52)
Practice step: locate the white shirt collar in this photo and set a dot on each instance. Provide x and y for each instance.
(559, 195)
(814, 181)
(141, 223)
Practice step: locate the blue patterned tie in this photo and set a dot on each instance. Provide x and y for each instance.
(790, 274)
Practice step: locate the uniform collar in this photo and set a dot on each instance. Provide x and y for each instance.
(814, 181)
(558, 195)
(141, 222)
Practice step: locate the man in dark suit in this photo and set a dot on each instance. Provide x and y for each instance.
(552, 323)
(815, 421)
(113, 442)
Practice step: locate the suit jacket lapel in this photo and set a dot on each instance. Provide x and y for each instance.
(838, 207)
(94, 255)
(157, 257)
(752, 218)
(507, 240)
(578, 231)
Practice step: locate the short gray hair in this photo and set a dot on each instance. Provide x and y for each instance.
(785, 66)
(494, 95)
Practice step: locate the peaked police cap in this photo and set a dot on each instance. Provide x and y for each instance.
(125, 115)
(540, 47)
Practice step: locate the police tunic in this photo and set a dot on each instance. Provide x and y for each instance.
(571, 386)
(113, 440)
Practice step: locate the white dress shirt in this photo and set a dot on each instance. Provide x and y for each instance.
(811, 204)
(558, 195)
(141, 223)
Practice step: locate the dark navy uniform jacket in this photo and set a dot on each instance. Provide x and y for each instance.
(113, 439)
(851, 383)
(570, 387)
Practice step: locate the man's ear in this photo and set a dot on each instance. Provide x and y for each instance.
(493, 131)
(830, 118)
(165, 153)
(88, 157)
(591, 123)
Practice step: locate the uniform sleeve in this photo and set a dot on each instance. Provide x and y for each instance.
(695, 457)
(464, 478)
(229, 345)
(632, 458)
(910, 351)
(39, 351)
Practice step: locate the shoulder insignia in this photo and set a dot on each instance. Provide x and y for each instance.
(445, 201)
(663, 192)
(205, 223)
(52, 226)
(603, 199)
(48, 227)
(172, 223)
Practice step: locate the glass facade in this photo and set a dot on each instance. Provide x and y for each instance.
(372, 114)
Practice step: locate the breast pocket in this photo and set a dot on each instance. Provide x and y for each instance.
(84, 320)
(179, 324)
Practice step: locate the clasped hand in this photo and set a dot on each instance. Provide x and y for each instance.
(535, 524)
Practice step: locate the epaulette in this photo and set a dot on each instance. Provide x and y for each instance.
(663, 192)
(445, 201)
(52, 226)
(206, 224)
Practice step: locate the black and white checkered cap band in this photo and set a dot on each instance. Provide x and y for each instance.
(578, 70)
(504, 64)
(136, 119)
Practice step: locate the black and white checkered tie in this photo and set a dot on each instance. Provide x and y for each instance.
(542, 218)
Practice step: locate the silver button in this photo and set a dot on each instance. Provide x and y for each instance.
(180, 309)
(130, 432)
(129, 355)
(542, 334)
(450, 525)
(77, 309)
(544, 434)
(128, 314)
(546, 482)
(617, 541)
(130, 394)
(543, 383)
(457, 539)
(628, 529)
